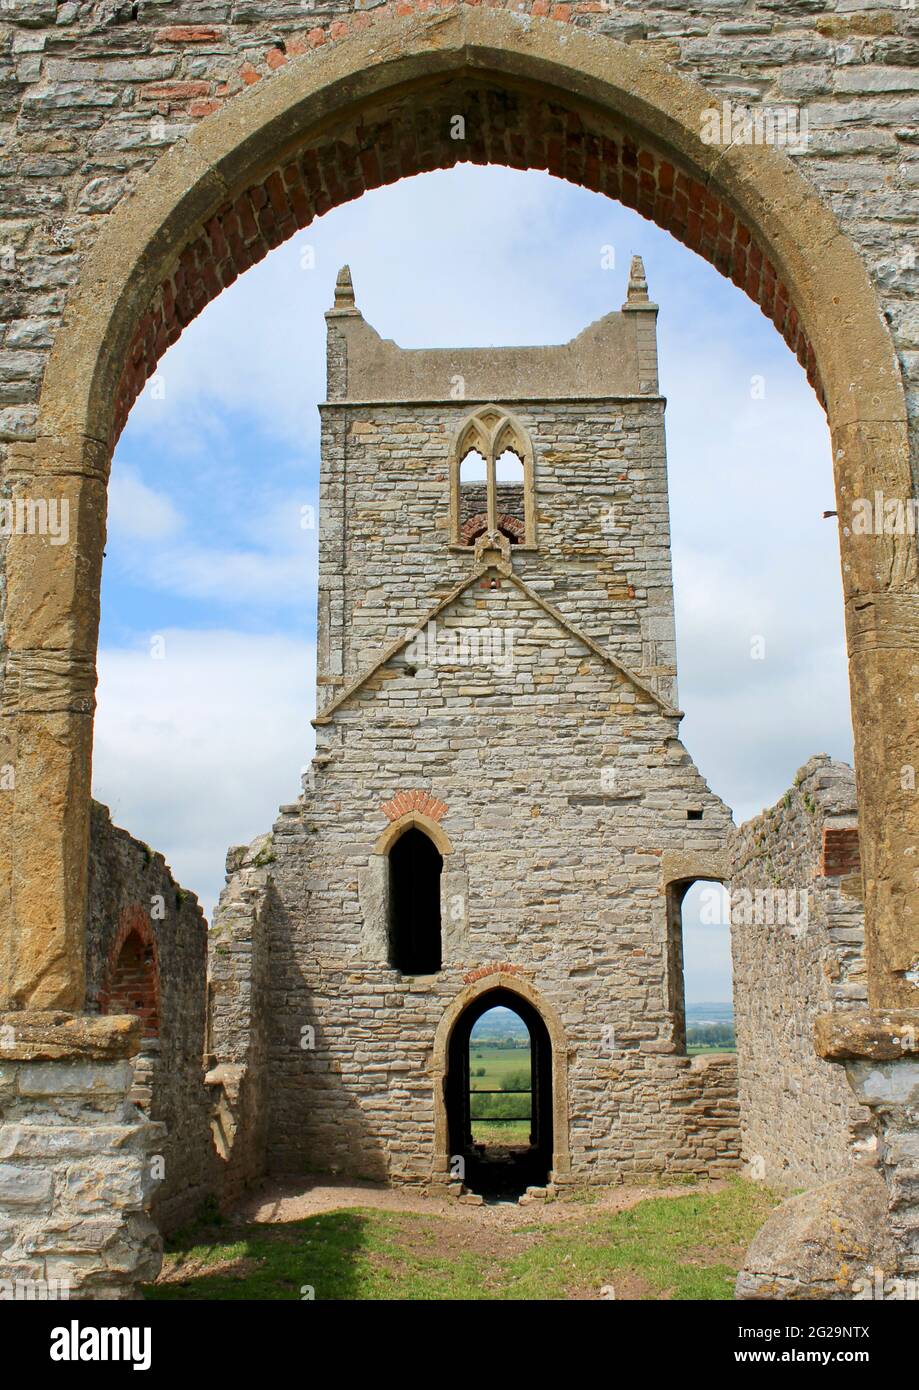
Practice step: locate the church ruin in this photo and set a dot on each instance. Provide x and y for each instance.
(499, 791)
(149, 164)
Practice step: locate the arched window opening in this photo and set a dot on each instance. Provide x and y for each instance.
(415, 867)
(701, 994)
(134, 989)
(492, 474)
(473, 496)
(511, 495)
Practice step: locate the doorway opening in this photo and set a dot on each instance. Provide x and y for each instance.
(499, 1095)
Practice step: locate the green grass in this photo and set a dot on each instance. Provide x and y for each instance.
(686, 1247)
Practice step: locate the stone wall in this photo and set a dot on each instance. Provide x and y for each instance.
(78, 1161)
(555, 873)
(94, 95)
(241, 1009)
(133, 899)
(795, 958)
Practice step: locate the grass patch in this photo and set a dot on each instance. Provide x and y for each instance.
(686, 1247)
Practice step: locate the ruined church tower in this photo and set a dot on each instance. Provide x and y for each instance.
(500, 810)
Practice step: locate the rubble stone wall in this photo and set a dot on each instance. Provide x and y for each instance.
(134, 898)
(800, 1122)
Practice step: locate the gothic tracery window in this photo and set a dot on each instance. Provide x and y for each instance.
(492, 480)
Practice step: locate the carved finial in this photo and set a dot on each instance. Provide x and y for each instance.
(638, 284)
(344, 289)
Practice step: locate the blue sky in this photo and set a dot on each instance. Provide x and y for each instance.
(209, 585)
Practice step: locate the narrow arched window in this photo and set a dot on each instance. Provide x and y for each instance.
(414, 904)
(492, 488)
(510, 490)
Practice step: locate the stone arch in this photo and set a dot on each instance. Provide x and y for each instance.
(413, 820)
(358, 112)
(502, 978)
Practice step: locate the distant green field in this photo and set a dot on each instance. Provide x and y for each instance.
(497, 1065)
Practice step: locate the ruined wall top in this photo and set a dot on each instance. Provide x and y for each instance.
(612, 358)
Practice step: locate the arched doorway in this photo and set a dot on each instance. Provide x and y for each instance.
(518, 1151)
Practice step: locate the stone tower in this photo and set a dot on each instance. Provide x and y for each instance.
(500, 809)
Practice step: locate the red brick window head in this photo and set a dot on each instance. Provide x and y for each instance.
(423, 802)
(132, 981)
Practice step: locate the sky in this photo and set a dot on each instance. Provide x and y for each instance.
(209, 584)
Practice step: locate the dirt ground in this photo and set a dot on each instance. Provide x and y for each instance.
(294, 1199)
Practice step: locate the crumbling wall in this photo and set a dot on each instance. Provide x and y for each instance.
(797, 939)
(134, 898)
(239, 1015)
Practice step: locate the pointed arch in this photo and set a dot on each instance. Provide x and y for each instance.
(492, 430)
(243, 180)
(502, 980)
(417, 820)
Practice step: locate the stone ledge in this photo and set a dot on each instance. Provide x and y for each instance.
(880, 1036)
(50, 1036)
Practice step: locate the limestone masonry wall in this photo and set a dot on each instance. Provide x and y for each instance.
(76, 1180)
(240, 1013)
(133, 899)
(799, 1119)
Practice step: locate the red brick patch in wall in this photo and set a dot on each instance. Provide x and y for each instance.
(132, 977)
(411, 134)
(403, 802)
(841, 855)
(187, 33)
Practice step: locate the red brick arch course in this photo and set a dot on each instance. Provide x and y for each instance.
(514, 126)
(132, 975)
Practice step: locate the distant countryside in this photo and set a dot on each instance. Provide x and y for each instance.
(499, 1066)
(710, 1028)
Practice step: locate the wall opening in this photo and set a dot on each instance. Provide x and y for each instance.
(498, 1089)
(415, 866)
(699, 976)
(133, 988)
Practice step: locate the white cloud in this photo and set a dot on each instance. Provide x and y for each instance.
(273, 560)
(137, 512)
(195, 752)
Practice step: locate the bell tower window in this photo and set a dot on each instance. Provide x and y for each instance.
(492, 480)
